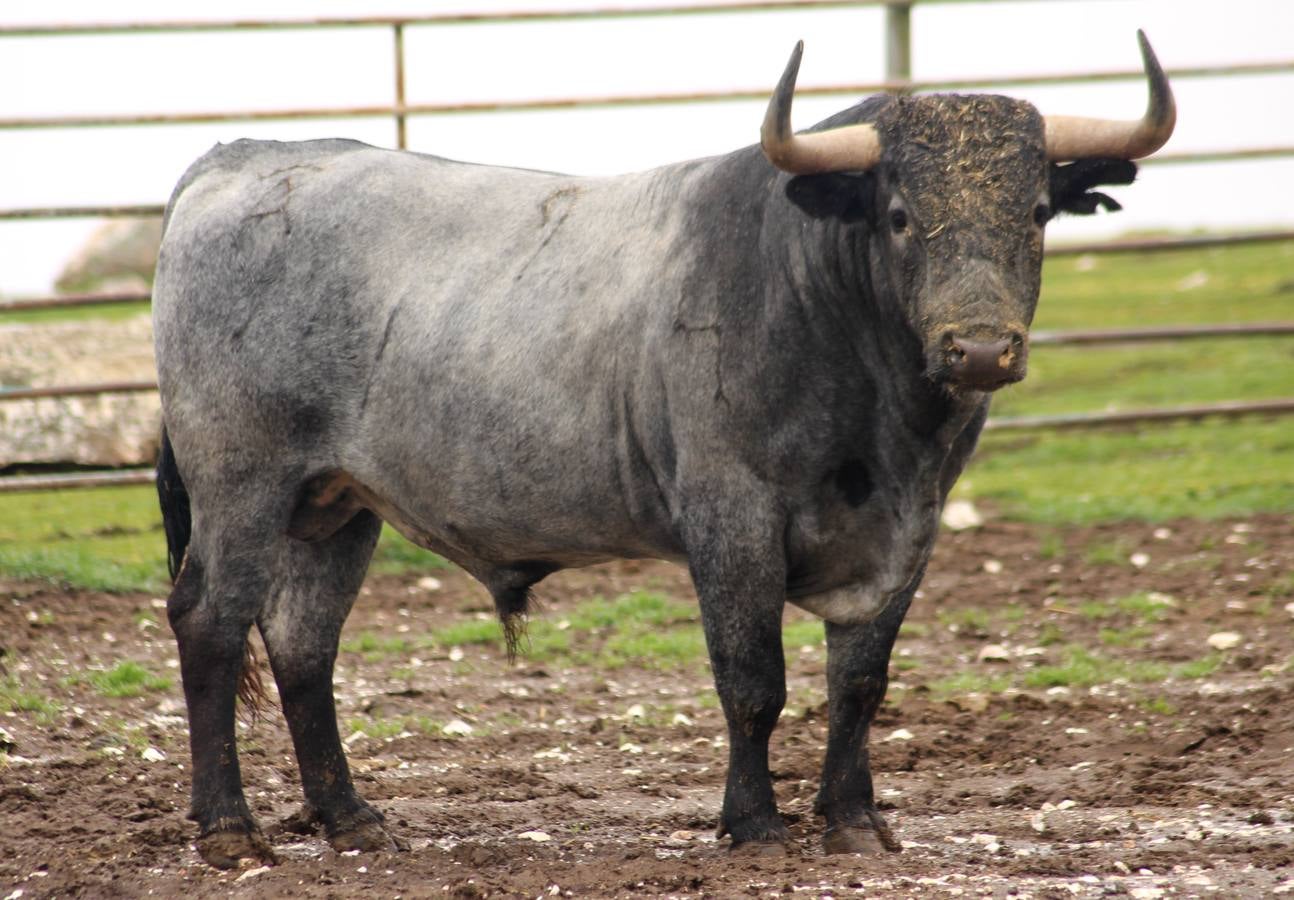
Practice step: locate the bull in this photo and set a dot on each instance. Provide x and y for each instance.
(770, 366)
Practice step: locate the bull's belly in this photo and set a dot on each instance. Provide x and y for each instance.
(851, 604)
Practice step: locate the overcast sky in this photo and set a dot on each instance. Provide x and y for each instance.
(235, 70)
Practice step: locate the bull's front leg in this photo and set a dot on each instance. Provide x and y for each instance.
(742, 585)
(858, 659)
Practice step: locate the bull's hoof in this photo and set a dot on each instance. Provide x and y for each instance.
(750, 849)
(856, 839)
(370, 837)
(228, 849)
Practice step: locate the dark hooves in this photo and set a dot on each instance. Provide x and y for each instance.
(759, 849)
(854, 839)
(369, 837)
(227, 849)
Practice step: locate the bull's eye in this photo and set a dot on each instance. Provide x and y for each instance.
(898, 221)
(1041, 214)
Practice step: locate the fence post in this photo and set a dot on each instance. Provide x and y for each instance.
(400, 136)
(898, 42)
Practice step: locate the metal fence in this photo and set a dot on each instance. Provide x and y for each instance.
(897, 79)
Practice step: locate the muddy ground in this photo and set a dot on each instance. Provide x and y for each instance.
(1166, 767)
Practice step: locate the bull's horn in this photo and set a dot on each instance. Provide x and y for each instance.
(851, 148)
(1074, 137)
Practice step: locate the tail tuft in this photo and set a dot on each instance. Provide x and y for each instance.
(512, 607)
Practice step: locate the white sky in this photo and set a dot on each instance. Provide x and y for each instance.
(235, 70)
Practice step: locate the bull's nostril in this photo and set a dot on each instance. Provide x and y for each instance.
(1007, 357)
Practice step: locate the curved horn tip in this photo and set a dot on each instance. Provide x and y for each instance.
(1148, 52)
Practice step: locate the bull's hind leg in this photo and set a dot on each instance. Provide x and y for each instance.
(223, 582)
(858, 658)
(301, 627)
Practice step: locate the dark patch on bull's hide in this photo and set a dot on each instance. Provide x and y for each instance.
(307, 422)
(974, 160)
(1071, 185)
(854, 481)
(835, 195)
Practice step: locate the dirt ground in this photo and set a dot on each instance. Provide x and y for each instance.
(591, 782)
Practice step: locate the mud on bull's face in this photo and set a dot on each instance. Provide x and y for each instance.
(960, 205)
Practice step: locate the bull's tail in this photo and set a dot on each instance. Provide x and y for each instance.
(177, 520)
(177, 523)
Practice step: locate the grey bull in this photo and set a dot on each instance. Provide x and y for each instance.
(770, 366)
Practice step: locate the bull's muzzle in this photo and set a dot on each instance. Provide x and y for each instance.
(983, 364)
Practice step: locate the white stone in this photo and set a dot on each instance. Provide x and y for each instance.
(1224, 640)
(152, 754)
(428, 583)
(456, 654)
(637, 711)
(993, 566)
(994, 653)
(252, 873)
(681, 719)
(456, 727)
(1139, 560)
(539, 837)
(960, 515)
(900, 734)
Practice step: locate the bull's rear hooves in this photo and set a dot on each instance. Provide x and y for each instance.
(228, 849)
(760, 849)
(853, 839)
(369, 837)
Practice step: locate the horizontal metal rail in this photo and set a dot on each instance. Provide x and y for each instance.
(497, 17)
(78, 390)
(118, 478)
(1160, 333)
(386, 110)
(1137, 416)
(1157, 244)
(84, 212)
(61, 301)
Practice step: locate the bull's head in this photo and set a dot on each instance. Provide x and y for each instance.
(957, 191)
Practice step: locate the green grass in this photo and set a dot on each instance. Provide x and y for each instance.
(127, 679)
(1209, 470)
(106, 312)
(15, 697)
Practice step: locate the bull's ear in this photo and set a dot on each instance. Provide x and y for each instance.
(1072, 183)
(835, 195)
